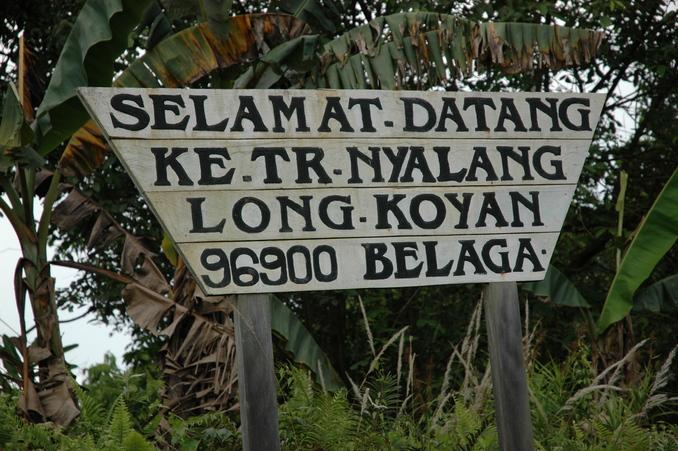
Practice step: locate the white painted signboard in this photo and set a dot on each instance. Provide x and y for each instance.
(269, 190)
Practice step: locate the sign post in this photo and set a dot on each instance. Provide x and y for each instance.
(256, 372)
(267, 191)
(509, 380)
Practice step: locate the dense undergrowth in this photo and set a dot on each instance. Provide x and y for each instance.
(572, 408)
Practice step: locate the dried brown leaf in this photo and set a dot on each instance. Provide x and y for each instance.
(105, 231)
(58, 402)
(146, 307)
(73, 209)
(30, 404)
(150, 276)
(131, 251)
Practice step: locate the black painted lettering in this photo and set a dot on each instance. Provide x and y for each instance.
(211, 156)
(244, 276)
(239, 220)
(444, 174)
(365, 111)
(526, 252)
(417, 160)
(201, 124)
(432, 269)
(374, 162)
(303, 210)
(428, 113)
(292, 266)
(522, 158)
(163, 103)
(403, 251)
(220, 264)
(479, 103)
(468, 254)
(396, 161)
(480, 160)
(198, 225)
(334, 110)
(119, 102)
(504, 266)
(346, 220)
(248, 110)
(384, 206)
(279, 107)
(564, 113)
(450, 111)
(490, 206)
(551, 110)
(271, 165)
(533, 206)
(162, 162)
(438, 207)
(557, 165)
(376, 253)
(509, 111)
(463, 208)
(331, 254)
(304, 164)
(273, 258)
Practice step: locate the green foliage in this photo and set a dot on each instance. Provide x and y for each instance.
(299, 343)
(573, 408)
(114, 435)
(655, 236)
(209, 431)
(99, 36)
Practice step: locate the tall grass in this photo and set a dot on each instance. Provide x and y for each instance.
(572, 407)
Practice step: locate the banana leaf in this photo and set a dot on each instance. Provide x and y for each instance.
(654, 237)
(422, 49)
(99, 36)
(557, 288)
(300, 344)
(658, 297)
(178, 61)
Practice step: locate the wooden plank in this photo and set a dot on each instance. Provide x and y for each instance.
(263, 114)
(168, 165)
(256, 373)
(345, 263)
(509, 377)
(367, 212)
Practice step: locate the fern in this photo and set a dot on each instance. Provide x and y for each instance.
(334, 422)
(92, 418)
(121, 424)
(467, 424)
(135, 442)
(603, 431)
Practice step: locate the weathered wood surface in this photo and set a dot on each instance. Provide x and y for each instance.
(245, 114)
(229, 165)
(351, 213)
(392, 188)
(288, 265)
(256, 373)
(509, 377)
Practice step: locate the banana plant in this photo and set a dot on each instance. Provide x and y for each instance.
(653, 238)
(87, 59)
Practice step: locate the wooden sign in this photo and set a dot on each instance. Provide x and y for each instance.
(269, 190)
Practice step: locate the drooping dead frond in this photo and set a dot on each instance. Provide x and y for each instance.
(421, 49)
